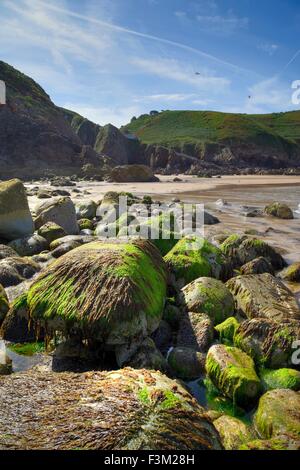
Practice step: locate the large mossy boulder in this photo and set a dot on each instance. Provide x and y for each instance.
(242, 249)
(263, 296)
(233, 432)
(194, 257)
(279, 210)
(110, 291)
(121, 410)
(210, 296)
(15, 216)
(233, 373)
(60, 211)
(269, 343)
(278, 414)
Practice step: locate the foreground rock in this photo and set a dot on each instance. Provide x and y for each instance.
(210, 296)
(60, 211)
(278, 414)
(233, 432)
(194, 257)
(233, 373)
(268, 342)
(263, 296)
(132, 173)
(279, 210)
(112, 293)
(124, 410)
(15, 216)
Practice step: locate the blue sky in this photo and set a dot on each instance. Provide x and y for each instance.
(112, 59)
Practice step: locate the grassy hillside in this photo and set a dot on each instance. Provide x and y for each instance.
(178, 128)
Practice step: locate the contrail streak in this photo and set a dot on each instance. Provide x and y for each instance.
(121, 29)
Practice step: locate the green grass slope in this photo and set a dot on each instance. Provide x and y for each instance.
(178, 128)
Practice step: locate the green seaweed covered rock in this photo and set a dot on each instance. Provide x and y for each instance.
(110, 292)
(268, 342)
(280, 378)
(50, 231)
(233, 373)
(291, 273)
(210, 296)
(279, 210)
(263, 296)
(194, 257)
(277, 443)
(233, 432)
(278, 414)
(227, 329)
(121, 410)
(15, 216)
(242, 249)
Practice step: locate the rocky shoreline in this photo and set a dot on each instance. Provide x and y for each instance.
(129, 331)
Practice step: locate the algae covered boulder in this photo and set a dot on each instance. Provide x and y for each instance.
(15, 216)
(50, 231)
(227, 329)
(280, 378)
(269, 343)
(210, 296)
(121, 410)
(233, 373)
(278, 414)
(194, 257)
(233, 432)
(291, 273)
(263, 296)
(279, 210)
(111, 292)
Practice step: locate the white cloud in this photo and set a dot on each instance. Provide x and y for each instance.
(268, 48)
(172, 69)
(180, 14)
(117, 115)
(222, 24)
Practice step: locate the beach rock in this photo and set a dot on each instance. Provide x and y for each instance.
(163, 336)
(186, 363)
(263, 296)
(28, 246)
(132, 173)
(61, 211)
(280, 378)
(15, 270)
(81, 239)
(15, 216)
(193, 257)
(4, 304)
(210, 219)
(86, 210)
(233, 432)
(65, 248)
(233, 373)
(51, 231)
(227, 329)
(16, 326)
(7, 252)
(268, 342)
(120, 410)
(278, 414)
(292, 273)
(44, 194)
(257, 266)
(242, 249)
(112, 292)
(196, 332)
(147, 356)
(279, 210)
(85, 224)
(210, 296)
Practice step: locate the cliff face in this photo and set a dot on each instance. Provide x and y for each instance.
(34, 133)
